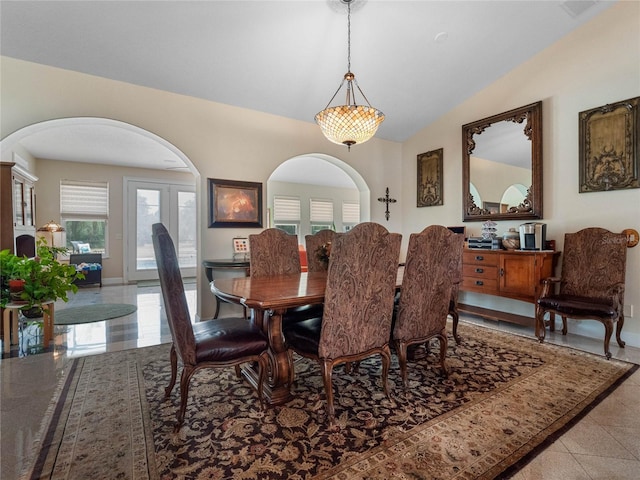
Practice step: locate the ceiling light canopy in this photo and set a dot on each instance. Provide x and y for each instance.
(349, 124)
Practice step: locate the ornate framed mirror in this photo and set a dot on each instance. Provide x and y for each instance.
(502, 166)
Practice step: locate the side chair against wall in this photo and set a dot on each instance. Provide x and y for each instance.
(313, 244)
(358, 305)
(591, 285)
(429, 274)
(221, 342)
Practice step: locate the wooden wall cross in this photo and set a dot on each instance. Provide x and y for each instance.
(386, 199)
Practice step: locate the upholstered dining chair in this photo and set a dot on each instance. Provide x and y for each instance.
(275, 252)
(591, 284)
(313, 244)
(221, 342)
(430, 271)
(358, 305)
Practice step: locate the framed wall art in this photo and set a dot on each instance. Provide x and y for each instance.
(609, 147)
(234, 204)
(430, 178)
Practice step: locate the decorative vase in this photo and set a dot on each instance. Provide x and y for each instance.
(511, 239)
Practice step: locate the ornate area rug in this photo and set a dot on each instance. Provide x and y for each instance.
(506, 398)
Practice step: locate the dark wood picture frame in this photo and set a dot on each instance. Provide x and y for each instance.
(430, 185)
(610, 147)
(234, 204)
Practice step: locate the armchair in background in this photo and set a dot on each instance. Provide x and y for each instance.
(591, 285)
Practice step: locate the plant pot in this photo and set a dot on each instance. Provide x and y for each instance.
(33, 312)
(16, 287)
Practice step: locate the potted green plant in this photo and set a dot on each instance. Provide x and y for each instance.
(45, 278)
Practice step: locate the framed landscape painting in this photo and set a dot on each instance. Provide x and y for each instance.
(234, 204)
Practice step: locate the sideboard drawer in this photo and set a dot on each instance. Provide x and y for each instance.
(479, 271)
(480, 285)
(480, 258)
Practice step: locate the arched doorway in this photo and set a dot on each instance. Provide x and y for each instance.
(116, 145)
(318, 176)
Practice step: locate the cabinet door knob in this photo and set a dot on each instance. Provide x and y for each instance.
(479, 257)
(502, 272)
(479, 270)
(479, 282)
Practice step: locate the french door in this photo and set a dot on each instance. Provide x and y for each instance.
(152, 201)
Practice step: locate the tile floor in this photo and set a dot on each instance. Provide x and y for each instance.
(604, 445)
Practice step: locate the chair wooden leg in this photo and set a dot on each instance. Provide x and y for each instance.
(327, 372)
(455, 317)
(173, 360)
(443, 353)
(540, 330)
(608, 331)
(386, 364)
(185, 378)
(564, 325)
(619, 325)
(401, 350)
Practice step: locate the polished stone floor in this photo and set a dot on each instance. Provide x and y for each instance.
(605, 444)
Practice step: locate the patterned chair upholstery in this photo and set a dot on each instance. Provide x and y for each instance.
(591, 285)
(215, 343)
(356, 324)
(275, 252)
(313, 245)
(431, 269)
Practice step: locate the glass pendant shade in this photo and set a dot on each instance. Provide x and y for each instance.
(349, 124)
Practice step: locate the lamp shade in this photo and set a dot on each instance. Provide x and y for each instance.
(349, 124)
(51, 226)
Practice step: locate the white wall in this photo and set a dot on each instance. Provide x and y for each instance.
(595, 65)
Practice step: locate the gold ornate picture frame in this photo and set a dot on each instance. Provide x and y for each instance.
(430, 188)
(610, 146)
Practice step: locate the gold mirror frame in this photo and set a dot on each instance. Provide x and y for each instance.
(531, 208)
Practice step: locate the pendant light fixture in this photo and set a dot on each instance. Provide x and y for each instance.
(349, 124)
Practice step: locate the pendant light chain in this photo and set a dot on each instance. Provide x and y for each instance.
(349, 37)
(349, 124)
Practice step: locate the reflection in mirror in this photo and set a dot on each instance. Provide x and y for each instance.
(502, 165)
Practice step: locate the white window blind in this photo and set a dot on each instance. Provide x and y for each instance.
(350, 212)
(89, 199)
(321, 211)
(286, 208)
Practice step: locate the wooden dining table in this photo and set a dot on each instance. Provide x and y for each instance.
(269, 298)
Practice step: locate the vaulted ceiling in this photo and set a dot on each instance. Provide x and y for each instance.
(415, 60)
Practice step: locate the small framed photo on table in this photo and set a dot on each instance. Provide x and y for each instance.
(234, 204)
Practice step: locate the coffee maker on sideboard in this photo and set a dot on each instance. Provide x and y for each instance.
(533, 236)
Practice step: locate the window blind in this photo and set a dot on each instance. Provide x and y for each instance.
(286, 208)
(321, 210)
(350, 212)
(89, 199)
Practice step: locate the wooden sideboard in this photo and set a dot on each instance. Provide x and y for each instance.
(513, 274)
